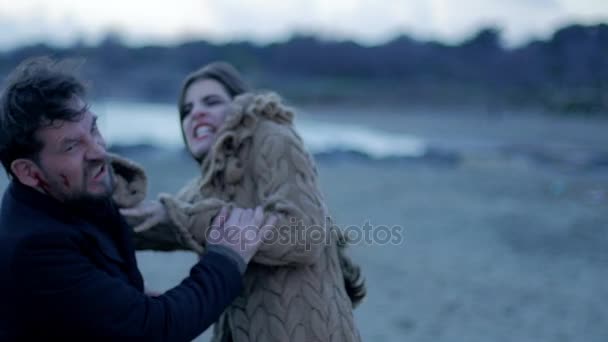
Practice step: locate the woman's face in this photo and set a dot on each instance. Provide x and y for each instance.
(204, 110)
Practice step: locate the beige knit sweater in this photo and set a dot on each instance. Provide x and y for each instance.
(300, 285)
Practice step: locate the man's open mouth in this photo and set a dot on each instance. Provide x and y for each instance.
(100, 173)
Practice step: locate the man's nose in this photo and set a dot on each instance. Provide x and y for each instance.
(96, 149)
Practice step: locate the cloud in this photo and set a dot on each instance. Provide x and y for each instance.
(367, 21)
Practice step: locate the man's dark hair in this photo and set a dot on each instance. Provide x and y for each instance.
(36, 94)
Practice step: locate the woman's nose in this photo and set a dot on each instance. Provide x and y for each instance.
(199, 111)
(197, 114)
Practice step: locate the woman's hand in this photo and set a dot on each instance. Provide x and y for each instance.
(148, 214)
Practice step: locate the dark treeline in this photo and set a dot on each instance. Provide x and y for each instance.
(566, 73)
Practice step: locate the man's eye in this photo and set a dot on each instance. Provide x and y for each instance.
(70, 147)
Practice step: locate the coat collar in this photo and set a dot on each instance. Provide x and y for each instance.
(94, 222)
(102, 223)
(39, 201)
(95, 213)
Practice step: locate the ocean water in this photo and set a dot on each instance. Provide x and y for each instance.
(128, 123)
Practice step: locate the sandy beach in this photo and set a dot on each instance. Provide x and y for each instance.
(507, 242)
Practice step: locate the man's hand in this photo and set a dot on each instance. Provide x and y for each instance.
(241, 230)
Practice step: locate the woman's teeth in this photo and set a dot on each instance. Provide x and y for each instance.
(202, 130)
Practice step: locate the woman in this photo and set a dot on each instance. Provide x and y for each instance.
(300, 285)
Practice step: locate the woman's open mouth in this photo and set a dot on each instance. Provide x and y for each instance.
(202, 131)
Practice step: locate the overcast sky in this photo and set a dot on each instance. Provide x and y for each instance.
(61, 22)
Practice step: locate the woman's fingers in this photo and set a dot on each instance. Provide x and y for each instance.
(147, 224)
(133, 212)
(143, 209)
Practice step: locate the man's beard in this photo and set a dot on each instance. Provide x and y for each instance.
(85, 198)
(80, 197)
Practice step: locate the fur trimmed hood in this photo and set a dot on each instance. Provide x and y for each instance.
(130, 181)
(247, 110)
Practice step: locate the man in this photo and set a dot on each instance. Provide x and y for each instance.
(67, 262)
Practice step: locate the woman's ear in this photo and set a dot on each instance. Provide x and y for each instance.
(26, 171)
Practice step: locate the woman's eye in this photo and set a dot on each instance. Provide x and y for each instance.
(185, 111)
(212, 102)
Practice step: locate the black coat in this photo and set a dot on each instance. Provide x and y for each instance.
(65, 276)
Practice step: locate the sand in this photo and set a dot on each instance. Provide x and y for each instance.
(500, 246)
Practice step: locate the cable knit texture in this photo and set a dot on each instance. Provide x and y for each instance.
(300, 286)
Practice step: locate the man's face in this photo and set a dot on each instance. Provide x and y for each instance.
(73, 160)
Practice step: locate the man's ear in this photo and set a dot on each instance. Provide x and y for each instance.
(26, 171)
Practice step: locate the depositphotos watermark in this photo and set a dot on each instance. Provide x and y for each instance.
(296, 233)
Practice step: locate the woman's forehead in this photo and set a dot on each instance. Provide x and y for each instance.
(206, 86)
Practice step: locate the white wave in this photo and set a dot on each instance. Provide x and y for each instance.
(136, 123)
(328, 137)
(127, 123)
